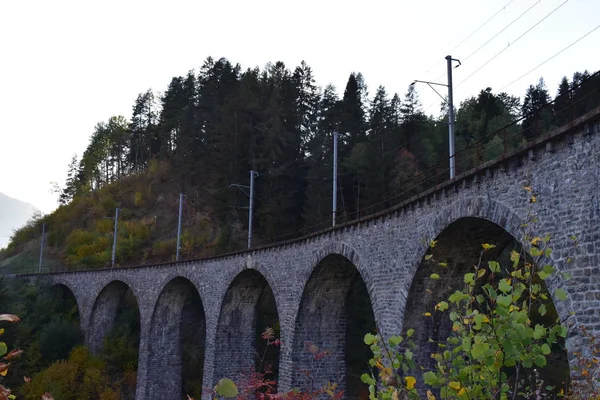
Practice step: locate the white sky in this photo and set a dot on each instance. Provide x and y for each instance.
(66, 65)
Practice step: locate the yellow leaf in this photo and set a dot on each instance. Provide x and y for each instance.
(427, 314)
(480, 273)
(533, 199)
(461, 391)
(410, 382)
(430, 395)
(454, 385)
(535, 240)
(386, 373)
(379, 365)
(1, 331)
(395, 395)
(3, 373)
(528, 188)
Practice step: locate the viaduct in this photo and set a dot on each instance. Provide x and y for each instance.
(332, 287)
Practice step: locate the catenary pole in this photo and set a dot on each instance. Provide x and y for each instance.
(334, 188)
(42, 247)
(451, 119)
(179, 225)
(253, 174)
(114, 249)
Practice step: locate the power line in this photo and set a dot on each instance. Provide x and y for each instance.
(471, 34)
(503, 29)
(516, 40)
(555, 55)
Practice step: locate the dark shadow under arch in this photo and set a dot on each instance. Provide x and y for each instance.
(114, 334)
(104, 312)
(61, 329)
(334, 315)
(459, 245)
(248, 308)
(63, 294)
(177, 342)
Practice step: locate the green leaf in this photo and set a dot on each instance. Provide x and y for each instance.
(515, 257)
(442, 306)
(540, 360)
(479, 349)
(368, 379)
(370, 339)
(560, 294)
(456, 297)
(410, 332)
(539, 331)
(543, 275)
(3, 348)
(434, 276)
(504, 300)
(226, 388)
(395, 340)
(535, 252)
(469, 278)
(542, 310)
(494, 266)
(546, 349)
(504, 286)
(563, 331)
(431, 379)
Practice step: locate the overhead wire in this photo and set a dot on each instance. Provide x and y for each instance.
(510, 44)
(551, 58)
(501, 31)
(470, 35)
(467, 38)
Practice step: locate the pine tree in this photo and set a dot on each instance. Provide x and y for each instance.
(536, 110)
(563, 103)
(143, 139)
(72, 182)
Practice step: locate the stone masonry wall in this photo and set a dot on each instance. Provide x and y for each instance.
(386, 250)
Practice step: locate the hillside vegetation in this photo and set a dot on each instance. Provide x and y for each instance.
(211, 127)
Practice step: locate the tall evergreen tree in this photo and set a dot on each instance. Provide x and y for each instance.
(536, 110)
(563, 103)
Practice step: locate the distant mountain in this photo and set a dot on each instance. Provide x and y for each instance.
(13, 214)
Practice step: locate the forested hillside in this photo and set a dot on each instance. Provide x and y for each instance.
(208, 129)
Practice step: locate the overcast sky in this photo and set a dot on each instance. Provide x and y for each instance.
(66, 65)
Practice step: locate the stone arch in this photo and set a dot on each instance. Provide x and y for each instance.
(364, 269)
(178, 317)
(248, 307)
(494, 212)
(459, 237)
(104, 312)
(63, 291)
(334, 314)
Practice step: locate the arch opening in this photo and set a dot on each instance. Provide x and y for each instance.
(62, 331)
(177, 345)
(248, 309)
(459, 245)
(114, 335)
(334, 316)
